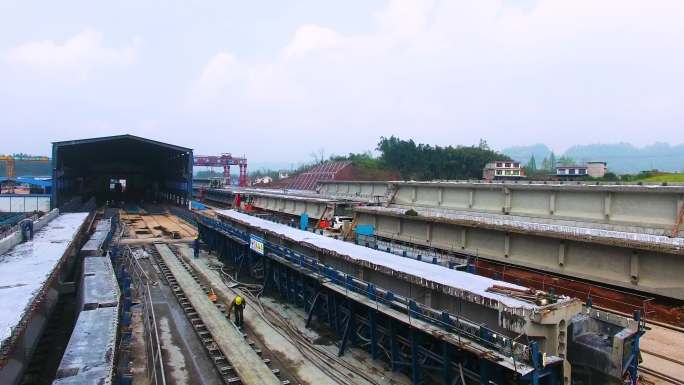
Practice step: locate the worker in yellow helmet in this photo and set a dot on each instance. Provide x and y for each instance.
(196, 246)
(238, 305)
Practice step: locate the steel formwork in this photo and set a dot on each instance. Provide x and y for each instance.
(428, 346)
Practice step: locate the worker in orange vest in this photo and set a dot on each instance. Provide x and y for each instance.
(238, 305)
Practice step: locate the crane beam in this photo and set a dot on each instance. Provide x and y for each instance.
(224, 160)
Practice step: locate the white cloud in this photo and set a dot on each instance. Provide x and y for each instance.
(76, 57)
(455, 71)
(311, 37)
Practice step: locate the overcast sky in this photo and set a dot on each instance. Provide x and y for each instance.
(275, 80)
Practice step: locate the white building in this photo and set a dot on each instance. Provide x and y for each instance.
(593, 169)
(503, 169)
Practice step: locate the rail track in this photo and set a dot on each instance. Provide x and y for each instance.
(221, 363)
(337, 369)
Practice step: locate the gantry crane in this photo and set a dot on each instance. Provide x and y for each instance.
(10, 159)
(225, 161)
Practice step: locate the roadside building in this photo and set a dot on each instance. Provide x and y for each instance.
(597, 169)
(591, 169)
(503, 169)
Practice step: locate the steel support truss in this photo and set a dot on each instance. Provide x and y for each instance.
(426, 357)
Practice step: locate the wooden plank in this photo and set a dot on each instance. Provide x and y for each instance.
(151, 224)
(247, 364)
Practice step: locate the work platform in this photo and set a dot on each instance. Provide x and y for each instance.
(29, 288)
(247, 364)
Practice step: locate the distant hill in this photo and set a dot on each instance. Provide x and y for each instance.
(622, 158)
(625, 158)
(27, 169)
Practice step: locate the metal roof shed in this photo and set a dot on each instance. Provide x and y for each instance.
(98, 167)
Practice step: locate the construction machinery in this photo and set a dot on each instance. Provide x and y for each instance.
(225, 160)
(10, 159)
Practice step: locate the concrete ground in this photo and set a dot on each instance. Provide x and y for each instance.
(185, 358)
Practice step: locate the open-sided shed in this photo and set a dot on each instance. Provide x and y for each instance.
(120, 168)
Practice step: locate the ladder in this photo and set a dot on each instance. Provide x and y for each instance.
(347, 235)
(678, 222)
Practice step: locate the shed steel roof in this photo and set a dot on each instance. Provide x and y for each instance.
(119, 137)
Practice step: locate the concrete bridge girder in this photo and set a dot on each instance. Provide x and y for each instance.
(354, 188)
(653, 206)
(648, 271)
(315, 210)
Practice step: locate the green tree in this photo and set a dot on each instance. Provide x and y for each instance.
(552, 162)
(531, 166)
(565, 161)
(546, 164)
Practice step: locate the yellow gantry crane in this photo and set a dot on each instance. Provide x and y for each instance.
(10, 159)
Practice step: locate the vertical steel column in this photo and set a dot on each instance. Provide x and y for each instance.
(373, 334)
(349, 329)
(394, 349)
(446, 363)
(415, 365)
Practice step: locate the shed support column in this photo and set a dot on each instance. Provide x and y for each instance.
(414, 194)
(561, 253)
(634, 267)
(471, 198)
(440, 196)
(428, 233)
(400, 223)
(552, 203)
(464, 238)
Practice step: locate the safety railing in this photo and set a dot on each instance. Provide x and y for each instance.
(141, 284)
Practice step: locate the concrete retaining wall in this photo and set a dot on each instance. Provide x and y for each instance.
(7, 243)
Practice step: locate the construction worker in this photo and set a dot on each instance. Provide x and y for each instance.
(238, 304)
(196, 246)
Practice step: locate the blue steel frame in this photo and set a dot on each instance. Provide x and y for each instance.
(424, 357)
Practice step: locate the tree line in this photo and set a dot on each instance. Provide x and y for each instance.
(427, 162)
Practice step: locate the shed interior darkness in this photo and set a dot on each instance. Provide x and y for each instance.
(151, 170)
